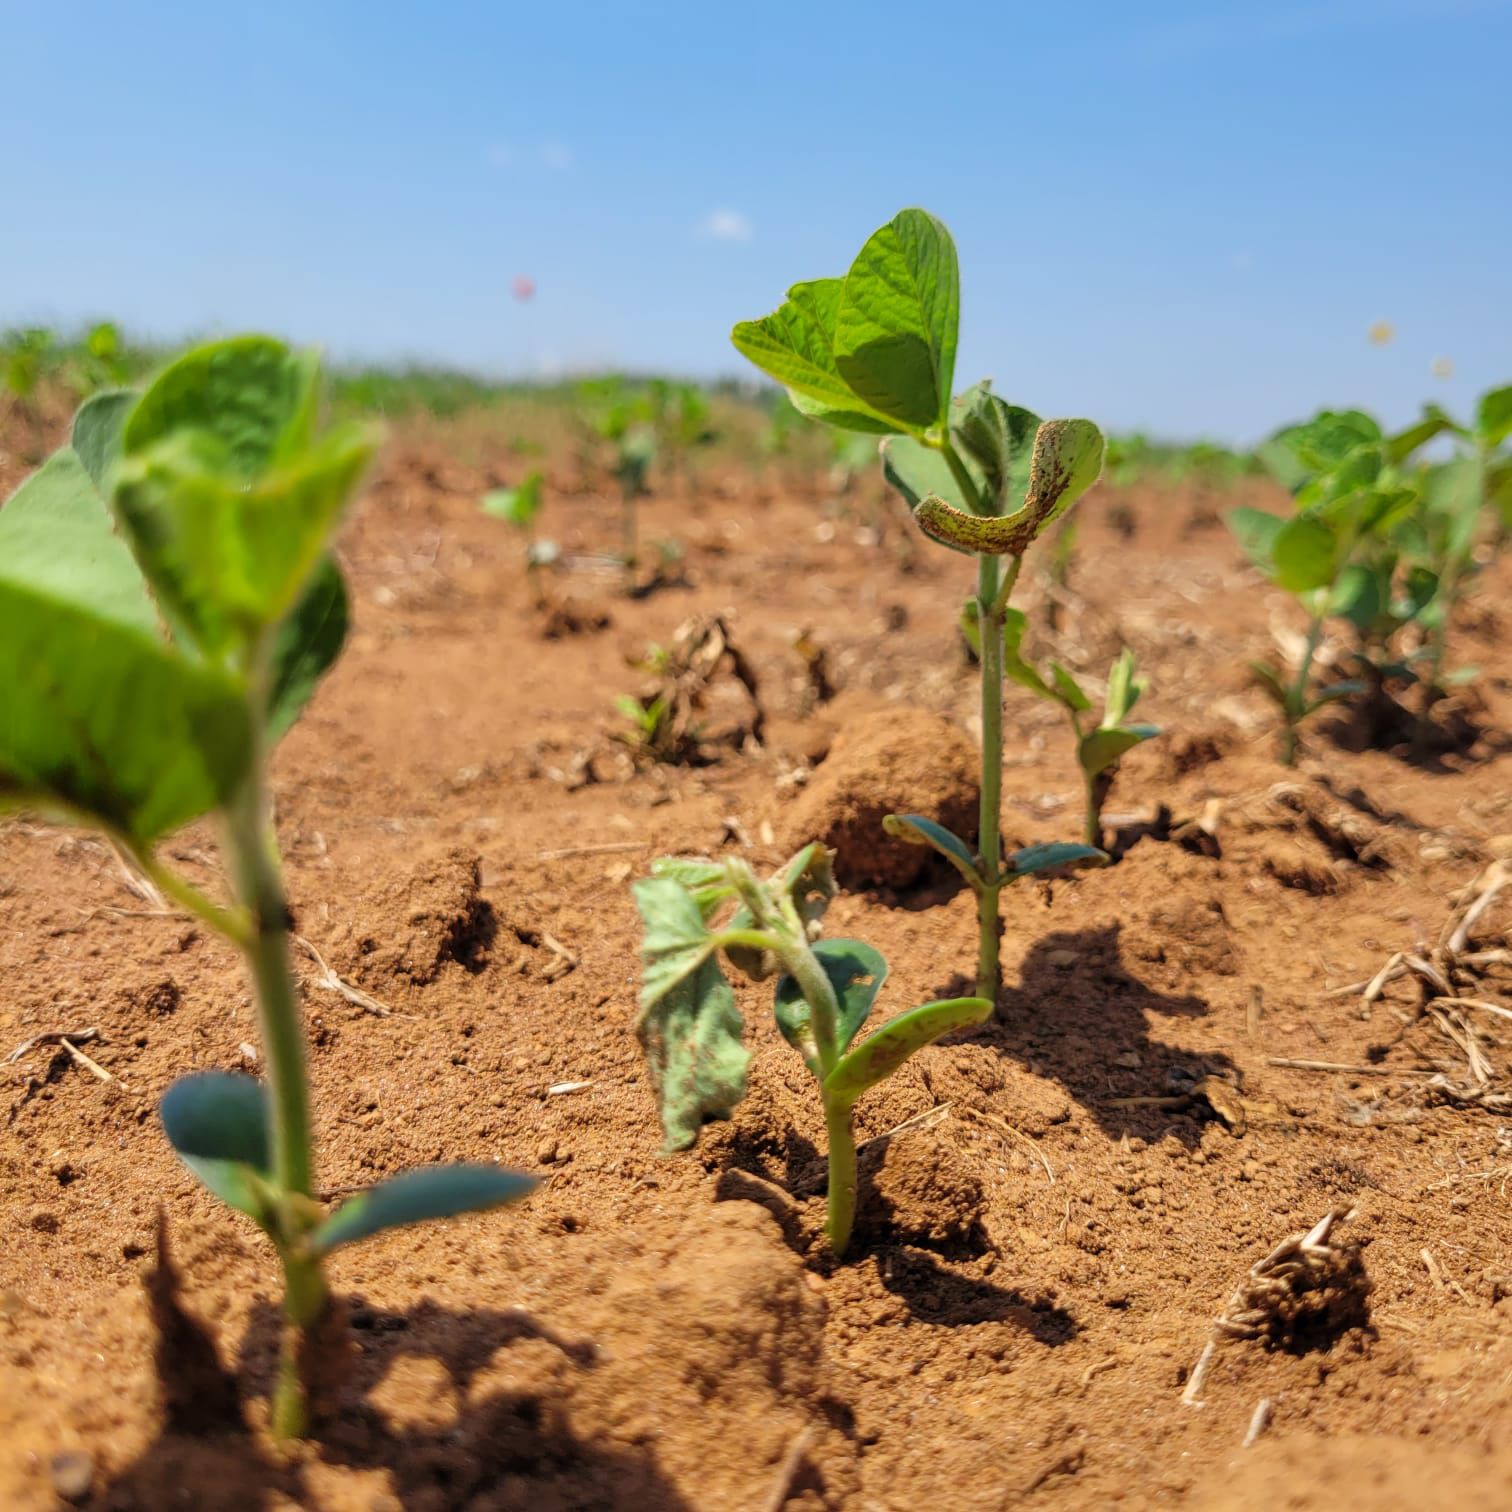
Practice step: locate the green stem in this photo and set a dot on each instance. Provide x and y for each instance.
(259, 891)
(232, 924)
(1296, 695)
(841, 1215)
(989, 817)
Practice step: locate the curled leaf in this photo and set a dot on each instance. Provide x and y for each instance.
(691, 1034)
(917, 830)
(880, 1054)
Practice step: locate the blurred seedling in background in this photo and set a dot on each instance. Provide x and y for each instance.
(147, 676)
(1349, 493)
(520, 506)
(668, 720)
(874, 352)
(694, 912)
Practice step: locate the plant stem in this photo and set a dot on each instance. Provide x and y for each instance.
(1296, 697)
(259, 890)
(989, 815)
(841, 1198)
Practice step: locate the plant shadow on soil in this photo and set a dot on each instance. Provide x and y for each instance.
(512, 1448)
(1078, 1016)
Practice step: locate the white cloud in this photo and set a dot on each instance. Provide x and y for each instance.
(727, 225)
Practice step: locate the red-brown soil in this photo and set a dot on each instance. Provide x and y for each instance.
(1039, 1262)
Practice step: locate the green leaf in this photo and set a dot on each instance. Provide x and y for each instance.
(691, 1034)
(1434, 422)
(443, 1191)
(896, 326)
(676, 941)
(1493, 417)
(999, 439)
(796, 346)
(920, 472)
(97, 431)
(99, 715)
(218, 1124)
(1306, 553)
(856, 971)
(1066, 461)
(917, 830)
(229, 556)
(706, 882)
(519, 505)
(1015, 623)
(1256, 532)
(878, 1056)
(1049, 856)
(1124, 689)
(306, 644)
(1067, 690)
(253, 395)
(1273, 683)
(1104, 747)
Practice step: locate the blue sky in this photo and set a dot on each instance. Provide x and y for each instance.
(1177, 216)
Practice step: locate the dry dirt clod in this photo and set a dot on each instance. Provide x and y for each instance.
(898, 761)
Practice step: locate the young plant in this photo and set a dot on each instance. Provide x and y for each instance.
(874, 351)
(1098, 749)
(690, 1027)
(520, 506)
(634, 452)
(1342, 471)
(146, 677)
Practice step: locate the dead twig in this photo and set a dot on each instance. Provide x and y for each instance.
(328, 979)
(611, 848)
(51, 1037)
(1258, 1419)
(787, 1471)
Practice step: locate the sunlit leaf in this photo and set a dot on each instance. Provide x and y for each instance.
(856, 971)
(442, 1191)
(881, 1053)
(917, 830)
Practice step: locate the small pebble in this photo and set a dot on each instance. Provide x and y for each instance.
(547, 1151)
(72, 1474)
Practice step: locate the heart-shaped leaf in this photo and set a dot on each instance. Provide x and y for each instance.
(1051, 855)
(896, 326)
(856, 971)
(691, 1034)
(224, 494)
(218, 1125)
(99, 715)
(443, 1191)
(1306, 555)
(796, 346)
(880, 1054)
(917, 830)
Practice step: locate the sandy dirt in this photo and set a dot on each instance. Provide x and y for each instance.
(1057, 1207)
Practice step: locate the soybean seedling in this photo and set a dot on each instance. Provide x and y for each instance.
(1100, 749)
(520, 506)
(874, 351)
(225, 497)
(690, 1026)
(1342, 472)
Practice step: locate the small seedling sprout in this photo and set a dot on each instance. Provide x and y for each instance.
(693, 911)
(225, 496)
(520, 506)
(1098, 749)
(875, 352)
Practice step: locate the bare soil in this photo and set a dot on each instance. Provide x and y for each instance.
(1058, 1206)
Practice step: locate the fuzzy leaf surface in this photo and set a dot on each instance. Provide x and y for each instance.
(692, 1037)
